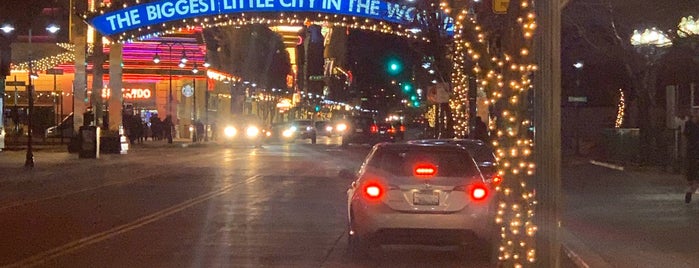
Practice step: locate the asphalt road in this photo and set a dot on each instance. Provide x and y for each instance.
(279, 206)
(284, 206)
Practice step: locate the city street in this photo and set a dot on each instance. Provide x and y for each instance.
(206, 206)
(284, 206)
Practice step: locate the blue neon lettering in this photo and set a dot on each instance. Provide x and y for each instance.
(163, 11)
(152, 12)
(167, 9)
(110, 19)
(181, 7)
(285, 4)
(193, 7)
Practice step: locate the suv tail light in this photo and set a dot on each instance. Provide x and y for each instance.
(373, 191)
(477, 192)
(374, 129)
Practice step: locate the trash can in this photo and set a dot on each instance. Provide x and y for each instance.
(89, 137)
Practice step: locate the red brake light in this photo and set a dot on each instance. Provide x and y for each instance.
(374, 128)
(391, 130)
(402, 128)
(373, 191)
(425, 171)
(497, 180)
(478, 192)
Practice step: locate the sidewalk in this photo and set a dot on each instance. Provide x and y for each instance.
(627, 216)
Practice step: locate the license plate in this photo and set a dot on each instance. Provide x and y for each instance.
(426, 198)
(359, 130)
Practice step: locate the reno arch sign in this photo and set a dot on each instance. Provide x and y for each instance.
(158, 12)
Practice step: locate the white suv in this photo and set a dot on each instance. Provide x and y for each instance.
(419, 194)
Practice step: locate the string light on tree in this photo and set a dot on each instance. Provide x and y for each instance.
(620, 110)
(506, 79)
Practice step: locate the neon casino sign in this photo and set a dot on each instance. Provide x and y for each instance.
(158, 12)
(131, 93)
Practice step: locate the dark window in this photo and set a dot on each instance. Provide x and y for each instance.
(402, 162)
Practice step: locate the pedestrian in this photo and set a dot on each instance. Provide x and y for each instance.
(691, 132)
(213, 131)
(199, 126)
(167, 128)
(480, 130)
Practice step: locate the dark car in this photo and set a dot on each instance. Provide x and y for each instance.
(479, 150)
(303, 129)
(387, 131)
(361, 130)
(324, 128)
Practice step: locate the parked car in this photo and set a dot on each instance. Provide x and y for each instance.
(409, 193)
(481, 152)
(65, 128)
(361, 130)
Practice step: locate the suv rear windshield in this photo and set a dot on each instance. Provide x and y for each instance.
(362, 121)
(303, 122)
(450, 162)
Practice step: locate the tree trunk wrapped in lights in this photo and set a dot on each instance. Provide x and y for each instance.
(505, 74)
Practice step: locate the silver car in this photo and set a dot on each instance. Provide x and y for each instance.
(419, 193)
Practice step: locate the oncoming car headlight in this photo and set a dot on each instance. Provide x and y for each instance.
(341, 127)
(287, 133)
(252, 131)
(230, 131)
(329, 129)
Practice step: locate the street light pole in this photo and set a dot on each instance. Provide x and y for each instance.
(156, 59)
(29, 161)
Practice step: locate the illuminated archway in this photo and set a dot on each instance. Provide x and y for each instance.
(167, 16)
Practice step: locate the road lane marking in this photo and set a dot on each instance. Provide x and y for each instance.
(62, 195)
(45, 256)
(607, 165)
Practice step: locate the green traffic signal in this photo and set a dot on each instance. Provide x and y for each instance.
(407, 87)
(416, 103)
(413, 98)
(317, 108)
(394, 66)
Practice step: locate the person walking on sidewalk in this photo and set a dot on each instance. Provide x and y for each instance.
(691, 132)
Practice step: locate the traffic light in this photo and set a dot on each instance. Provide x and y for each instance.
(317, 108)
(407, 87)
(394, 66)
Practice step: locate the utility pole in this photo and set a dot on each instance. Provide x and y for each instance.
(547, 138)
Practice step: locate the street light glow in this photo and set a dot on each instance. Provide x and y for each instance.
(688, 26)
(53, 28)
(651, 36)
(156, 58)
(578, 65)
(7, 28)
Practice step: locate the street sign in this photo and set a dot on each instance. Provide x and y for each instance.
(15, 83)
(54, 71)
(577, 99)
(500, 6)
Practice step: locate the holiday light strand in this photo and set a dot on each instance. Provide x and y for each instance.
(620, 110)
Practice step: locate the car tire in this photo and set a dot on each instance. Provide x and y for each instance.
(359, 246)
